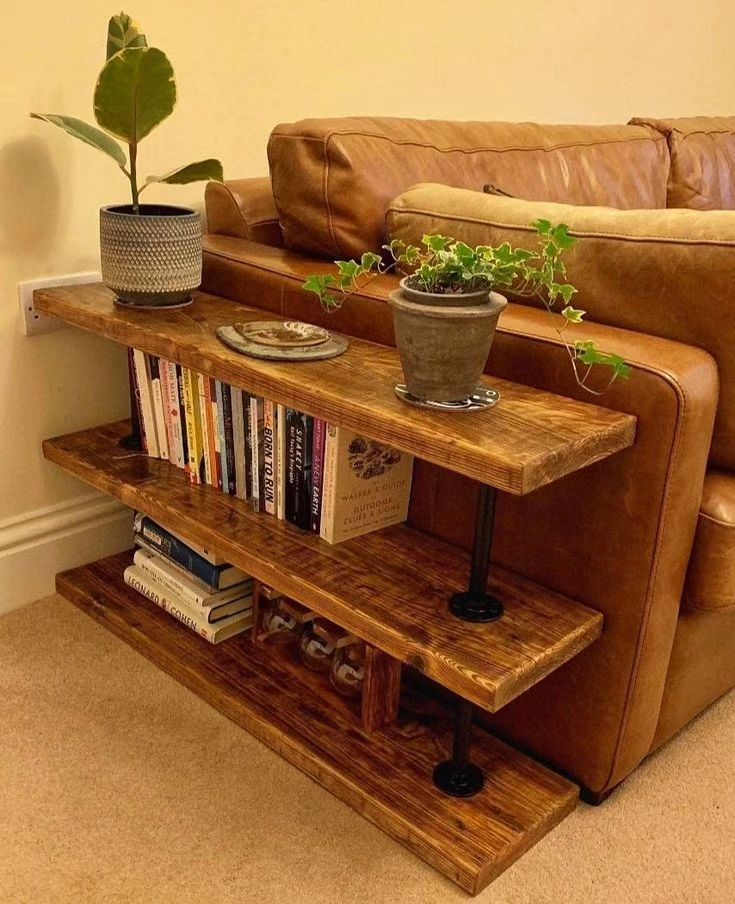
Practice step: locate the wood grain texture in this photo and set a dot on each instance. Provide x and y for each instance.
(529, 439)
(389, 587)
(385, 776)
(381, 689)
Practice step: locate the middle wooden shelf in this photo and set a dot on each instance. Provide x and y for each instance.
(390, 587)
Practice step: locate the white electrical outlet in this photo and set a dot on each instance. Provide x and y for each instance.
(33, 321)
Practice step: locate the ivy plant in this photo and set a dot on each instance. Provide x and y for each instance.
(135, 92)
(441, 265)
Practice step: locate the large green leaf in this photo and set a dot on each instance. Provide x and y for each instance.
(201, 171)
(90, 135)
(123, 32)
(135, 92)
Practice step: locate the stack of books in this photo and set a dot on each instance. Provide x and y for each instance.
(209, 596)
(321, 478)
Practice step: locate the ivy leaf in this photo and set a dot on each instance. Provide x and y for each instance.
(348, 270)
(566, 291)
(573, 315)
(436, 242)
(543, 227)
(369, 260)
(319, 284)
(562, 237)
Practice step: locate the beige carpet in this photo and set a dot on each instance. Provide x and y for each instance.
(118, 785)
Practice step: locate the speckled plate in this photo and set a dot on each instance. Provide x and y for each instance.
(233, 338)
(287, 334)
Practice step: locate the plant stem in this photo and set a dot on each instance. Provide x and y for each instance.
(133, 148)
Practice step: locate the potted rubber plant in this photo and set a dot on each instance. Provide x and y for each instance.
(151, 254)
(446, 309)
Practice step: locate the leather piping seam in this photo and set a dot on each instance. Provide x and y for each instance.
(728, 525)
(324, 139)
(582, 233)
(695, 606)
(680, 396)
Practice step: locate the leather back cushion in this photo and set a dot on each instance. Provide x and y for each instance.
(668, 273)
(702, 152)
(334, 178)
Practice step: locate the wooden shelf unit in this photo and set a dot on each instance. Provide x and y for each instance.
(384, 775)
(391, 588)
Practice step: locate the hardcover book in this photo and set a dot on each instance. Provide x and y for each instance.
(256, 450)
(229, 449)
(270, 451)
(157, 395)
(366, 485)
(238, 443)
(298, 478)
(203, 600)
(182, 417)
(218, 577)
(214, 434)
(281, 440)
(176, 446)
(317, 473)
(193, 425)
(206, 552)
(136, 578)
(205, 416)
(143, 386)
(225, 478)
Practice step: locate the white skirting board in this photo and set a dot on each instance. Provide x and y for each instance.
(36, 545)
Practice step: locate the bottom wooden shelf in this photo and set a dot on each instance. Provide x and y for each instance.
(385, 775)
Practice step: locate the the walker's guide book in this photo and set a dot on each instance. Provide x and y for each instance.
(366, 485)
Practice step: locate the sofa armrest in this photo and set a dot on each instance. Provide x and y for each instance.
(666, 273)
(245, 209)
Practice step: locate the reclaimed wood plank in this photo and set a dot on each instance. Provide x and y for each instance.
(384, 775)
(529, 439)
(389, 587)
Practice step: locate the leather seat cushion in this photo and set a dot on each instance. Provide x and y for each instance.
(711, 576)
(334, 178)
(702, 150)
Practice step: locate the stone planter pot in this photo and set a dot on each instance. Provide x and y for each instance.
(152, 258)
(444, 341)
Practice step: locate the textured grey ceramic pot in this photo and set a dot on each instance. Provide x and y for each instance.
(152, 258)
(444, 347)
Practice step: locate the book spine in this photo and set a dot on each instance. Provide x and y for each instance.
(255, 452)
(291, 476)
(193, 426)
(168, 545)
(238, 443)
(269, 449)
(222, 458)
(247, 450)
(329, 483)
(135, 386)
(182, 417)
(154, 366)
(176, 450)
(214, 434)
(281, 444)
(147, 422)
(317, 473)
(229, 439)
(165, 396)
(204, 418)
(136, 578)
(305, 484)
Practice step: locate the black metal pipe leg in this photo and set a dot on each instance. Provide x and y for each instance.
(475, 604)
(459, 777)
(134, 441)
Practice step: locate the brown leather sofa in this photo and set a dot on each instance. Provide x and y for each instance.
(648, 536)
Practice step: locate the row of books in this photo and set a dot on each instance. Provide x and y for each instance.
(211, 597)
(321, 478)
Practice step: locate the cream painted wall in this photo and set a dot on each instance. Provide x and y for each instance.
(244, 65)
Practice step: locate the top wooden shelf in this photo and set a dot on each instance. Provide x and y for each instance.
(529, 439)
